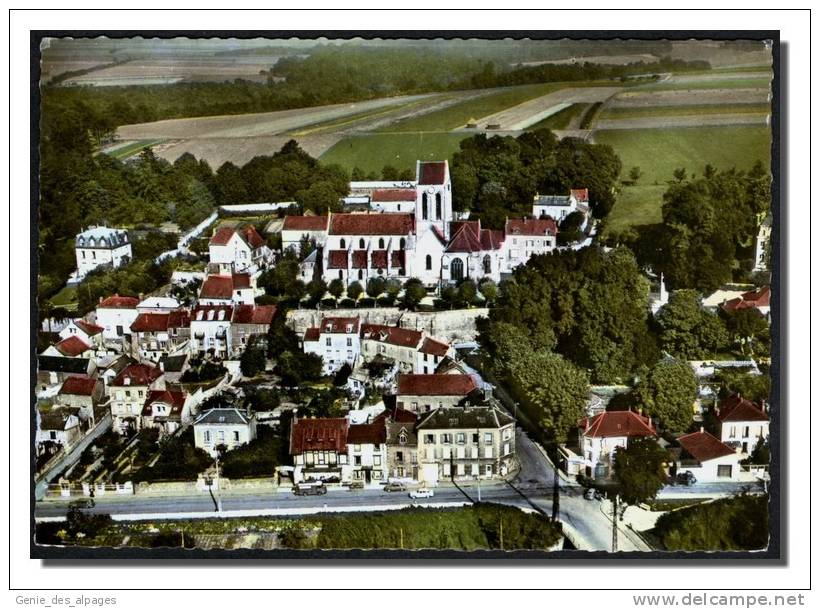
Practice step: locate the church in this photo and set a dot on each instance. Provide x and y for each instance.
(426, 241)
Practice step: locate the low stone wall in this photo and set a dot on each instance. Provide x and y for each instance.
(453, 326)
(191, 487)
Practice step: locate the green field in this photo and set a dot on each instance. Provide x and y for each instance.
(687, 110)
(66, 298)
(560, 120)
(371, 152)
(131, 149)
(658, 152)
(458, 114)
(728, 83)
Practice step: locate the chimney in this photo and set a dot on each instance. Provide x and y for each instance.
(101, 299)
(701, 429)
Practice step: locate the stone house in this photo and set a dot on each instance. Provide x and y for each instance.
(229, 427)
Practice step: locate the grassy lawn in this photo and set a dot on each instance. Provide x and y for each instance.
(658, 152)
(373, 151)
(133, 148)
(560, 120)
(728, 83)
(66, 298)
(693, 110)
(458, 114)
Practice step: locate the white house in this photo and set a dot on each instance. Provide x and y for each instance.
(98, 246)
(156, 334)
(296, 228)
(319, 449)
(238, 249)
(743, 424)
(128, 392)
(58, 426)
(559, 207)
(116, 314)
(158, 304)
(601, 435)
(421, 393)
(90, 334)
(211, 330)
(336, 341)
(395, 200)
(764, 236)
(367, 451)
(237, 288)
(707, 458)
(228, 427)
(164, 409)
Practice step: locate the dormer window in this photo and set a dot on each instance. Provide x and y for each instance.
(329, 328)
(349, 328)
(221, 315)
(210, 315)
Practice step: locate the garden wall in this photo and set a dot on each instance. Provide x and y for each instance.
(453, 326)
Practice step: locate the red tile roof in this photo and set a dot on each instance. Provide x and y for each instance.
(378, 259)
(305, 223)
(222, 236)
(531, 226)
(359, 259)
(434, 347)
(119, 302)
(436, 384)
(703, 446)
(137, 374)
(312, 335)
(397, 259)
(88, 328)
(617, 423)
(161, 322)
(748, 300)
(372, 224)
(369, 433)
(318, 434)
(241, 281)
(581, 194)
(338, 325)
(400, 415)
(174, 399)
(217, 286)
(212, 313)
(394, 194)
(468, 236)
(78, 385)
(400, 337)
(432, 172)
(337, 259)
(254, 314)
(737, 408)
(247, 233)
(72, 346)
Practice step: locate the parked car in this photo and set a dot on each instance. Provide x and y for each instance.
(356, 485)
(309, 489)
(421, 493)
(394, 486)
(85, 502)
(685, 478)
(593, 493)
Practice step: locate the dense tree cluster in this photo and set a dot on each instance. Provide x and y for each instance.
(707, 235)
(667, 392)
(640, 470)
(497, 177)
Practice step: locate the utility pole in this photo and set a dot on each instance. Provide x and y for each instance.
(478, 461)
(218, 489)
(615, 523)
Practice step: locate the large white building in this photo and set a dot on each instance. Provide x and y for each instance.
(116, 314)
(98, 246)
(336, 341)
(236, 250)
(417, 236)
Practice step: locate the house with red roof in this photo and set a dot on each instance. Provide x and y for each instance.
(759, 298)
(247, 321)
(297, 228)
(164, 409)
(156, 334)
(421, 393)
(319, 449)
(116, 314)
(128, 392)
(73, 346)
(91, 334)
(600, 436)
(743, 424)
(236, 288)
(211, 331)
(238, 249)
(707, 458)
(84, 394)
(336, 341)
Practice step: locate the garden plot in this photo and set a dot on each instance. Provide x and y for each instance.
(531, 112)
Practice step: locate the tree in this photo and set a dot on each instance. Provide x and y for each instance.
(489, 290)
(252, 360)
(749, 329)
(668, 392)
(390, 173)
(687, 330)
(283, 280)
(414, 293)
(354, 290)
(336, 287)
(375, 286)
(551, 389)
(679, 174)
(569, 230)
(640, 470)
(635, 174)
(467, 292)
